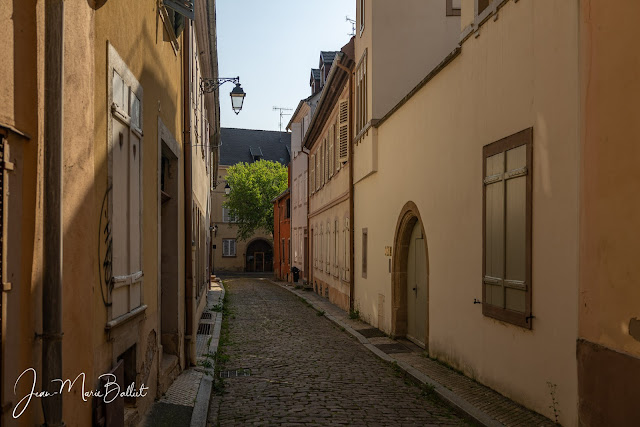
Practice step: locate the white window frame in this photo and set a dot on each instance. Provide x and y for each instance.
(231, 247)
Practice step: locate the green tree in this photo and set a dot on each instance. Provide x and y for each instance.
(253, 187)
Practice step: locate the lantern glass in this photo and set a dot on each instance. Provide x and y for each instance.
(237, 98)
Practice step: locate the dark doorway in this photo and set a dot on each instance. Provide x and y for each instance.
(259, 256)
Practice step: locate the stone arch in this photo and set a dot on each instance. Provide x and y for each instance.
(258, 244)
(409, 216)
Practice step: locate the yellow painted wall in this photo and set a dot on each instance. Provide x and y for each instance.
(610, 207)
(520, 72)
(228, 230)
(136, 31)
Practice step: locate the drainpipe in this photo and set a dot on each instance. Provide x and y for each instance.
(351, 202)
(52, 210)
(188, 196)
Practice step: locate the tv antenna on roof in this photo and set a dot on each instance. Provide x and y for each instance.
(282, 113)
(353, 25)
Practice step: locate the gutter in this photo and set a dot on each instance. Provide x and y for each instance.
(52, 211)
(188, 195)
(352, 274)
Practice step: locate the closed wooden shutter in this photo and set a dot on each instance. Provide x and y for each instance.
(312, 173)
(507, 229)
(318, 171)
(331, 156)
(343, 130)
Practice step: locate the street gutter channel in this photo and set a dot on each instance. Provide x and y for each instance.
(457, 403)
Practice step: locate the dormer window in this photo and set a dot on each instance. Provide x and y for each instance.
(256, 153)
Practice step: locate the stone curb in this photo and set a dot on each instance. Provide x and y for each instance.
(201, 407)
(460, 405)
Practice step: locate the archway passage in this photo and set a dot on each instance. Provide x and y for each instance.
(259, 256)
(410, 281)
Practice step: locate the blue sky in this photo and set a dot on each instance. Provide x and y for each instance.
(272, 46)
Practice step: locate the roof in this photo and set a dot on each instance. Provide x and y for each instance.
(237, 145)
(281, 195)
(327, 57)
(315, 73)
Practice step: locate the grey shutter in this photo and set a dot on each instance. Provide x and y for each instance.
(183, 7)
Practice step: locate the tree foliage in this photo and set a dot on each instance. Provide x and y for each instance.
(253, 187)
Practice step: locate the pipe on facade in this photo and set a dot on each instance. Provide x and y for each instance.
(188, 195)
(351, 201)
(52, 211)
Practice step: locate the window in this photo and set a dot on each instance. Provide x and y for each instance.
(227, 216)
(315, 248)
(361, 93)
(331, 158)
(328, 249)
(125, 179)
(343, 131)
(321, 248)
(288, 211)
(282, 259)
(312, 173)
(453, 7)
(365, 243)
(361, 15)
(336, 249)
(228, 247)
(506, 268)
(345, 250)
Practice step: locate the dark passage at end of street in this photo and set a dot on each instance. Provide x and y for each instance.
(305, 370)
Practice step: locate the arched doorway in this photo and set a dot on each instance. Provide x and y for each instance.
(259, 256)
(410, 278)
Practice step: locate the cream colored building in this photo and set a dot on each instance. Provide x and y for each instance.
(329, 170)
(298, 125)
(125, 86)
(236, 146)
(466, 174)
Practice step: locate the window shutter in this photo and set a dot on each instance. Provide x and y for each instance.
(312, 173)
(225, 248)
(343, 130)
(318, 174)
(330, 157)
(183, 7)
(322, 158)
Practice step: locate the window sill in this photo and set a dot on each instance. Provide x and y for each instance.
(229, 256)
(125, 318)
(515, 318)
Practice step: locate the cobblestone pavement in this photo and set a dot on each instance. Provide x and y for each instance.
(305, 370)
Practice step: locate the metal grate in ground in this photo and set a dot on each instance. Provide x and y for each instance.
(205, 315)
(235, 373)
(205, 328)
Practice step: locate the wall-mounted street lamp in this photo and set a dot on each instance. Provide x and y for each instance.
(227, 189)
(237, 94)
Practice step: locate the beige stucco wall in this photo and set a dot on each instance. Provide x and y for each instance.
(520, 72)
(326, 206)
(22, 106)
(610, 207)
(228, 230)
(137, 33)
(403, 54)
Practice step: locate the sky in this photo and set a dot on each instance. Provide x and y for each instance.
(272, 46)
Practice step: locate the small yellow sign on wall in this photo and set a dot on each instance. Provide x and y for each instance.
(387, 250)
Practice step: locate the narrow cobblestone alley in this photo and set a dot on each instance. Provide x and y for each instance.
(305, 370)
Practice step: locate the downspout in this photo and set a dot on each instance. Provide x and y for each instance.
(188, 196)
(351, 201)
(52, 211)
